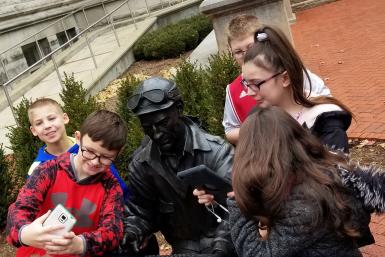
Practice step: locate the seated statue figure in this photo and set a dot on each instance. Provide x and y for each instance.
(160, 201)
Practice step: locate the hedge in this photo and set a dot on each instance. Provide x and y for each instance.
(5, 184)
(174, 39)
(76, 103)
(135, 133)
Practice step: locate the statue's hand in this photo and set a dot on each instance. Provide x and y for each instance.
(219, 253)
(130, 242)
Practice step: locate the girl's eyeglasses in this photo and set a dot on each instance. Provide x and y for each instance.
(257, 85)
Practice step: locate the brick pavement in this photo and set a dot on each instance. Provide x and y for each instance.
(344, 43)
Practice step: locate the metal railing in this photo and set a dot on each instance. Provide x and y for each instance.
(51, 55)
(35, 36)
(110, 21)
(61, 20)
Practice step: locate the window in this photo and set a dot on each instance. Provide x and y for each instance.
(62, 38)
(31, 51)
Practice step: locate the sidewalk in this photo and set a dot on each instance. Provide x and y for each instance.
(344, 43)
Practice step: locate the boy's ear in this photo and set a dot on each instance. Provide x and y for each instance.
(33, 130)
(77, 137)
(66, 118)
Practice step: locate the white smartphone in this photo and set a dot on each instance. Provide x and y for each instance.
(60, 216)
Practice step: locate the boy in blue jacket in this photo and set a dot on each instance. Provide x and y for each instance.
(48, 122)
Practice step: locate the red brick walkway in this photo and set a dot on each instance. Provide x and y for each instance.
(377, 226)
(344, 43)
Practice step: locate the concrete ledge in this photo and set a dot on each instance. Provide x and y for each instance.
(219, 7)
(175, 13)
(164, 16)
(208, 46)
(303, 5)
(16, 19)
(272, 12)
(120, 60)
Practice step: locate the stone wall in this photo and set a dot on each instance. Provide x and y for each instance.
(17, 7)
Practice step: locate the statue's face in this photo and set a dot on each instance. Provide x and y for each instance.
(164, 127)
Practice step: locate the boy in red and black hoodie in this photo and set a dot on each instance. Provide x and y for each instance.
(80, 182)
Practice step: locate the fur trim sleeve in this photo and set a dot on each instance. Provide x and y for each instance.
(368, 184)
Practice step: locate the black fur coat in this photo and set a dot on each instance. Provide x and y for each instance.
(367, 184)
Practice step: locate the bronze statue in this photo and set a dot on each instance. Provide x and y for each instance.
(160, 201)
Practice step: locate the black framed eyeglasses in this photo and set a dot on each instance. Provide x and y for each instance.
(89, 155)
(239, 53)
(156, 96)
(257, 85)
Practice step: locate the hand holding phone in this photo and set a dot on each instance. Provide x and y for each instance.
(60, 216)
(38, 233)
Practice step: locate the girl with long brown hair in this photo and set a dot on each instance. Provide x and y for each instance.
(286, 179)
(274, 75)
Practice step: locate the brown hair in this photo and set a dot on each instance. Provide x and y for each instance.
(43, 102)
(275, 154)
(241, 26)
(105, 126)
(275, 53)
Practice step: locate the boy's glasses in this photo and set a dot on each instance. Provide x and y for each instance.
(239, 53)
(89, 155)
(255, 86)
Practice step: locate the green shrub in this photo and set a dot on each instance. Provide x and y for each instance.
(5, 183)
(140, 45)
(135, 133)
(174, 39)
(204, 91)
(23, 144)
(164, 45)
(186, 34)
(222, 70)
(170, 42)
(201, 23)
(191, 82)
(76, 103)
